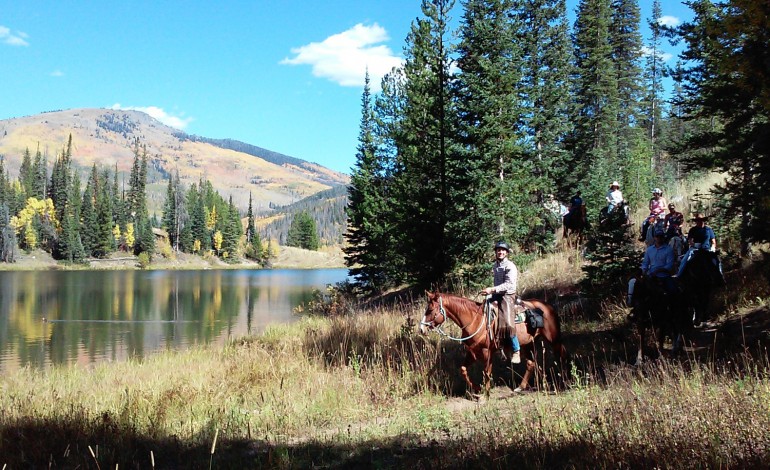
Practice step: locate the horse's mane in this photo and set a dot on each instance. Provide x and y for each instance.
(461, 301)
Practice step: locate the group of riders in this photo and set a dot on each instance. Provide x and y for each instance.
(665, 254)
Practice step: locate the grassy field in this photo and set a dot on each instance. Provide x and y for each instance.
(364, 390)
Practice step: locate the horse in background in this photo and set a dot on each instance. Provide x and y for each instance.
(479, 333)
(575, 223)
(702, 275)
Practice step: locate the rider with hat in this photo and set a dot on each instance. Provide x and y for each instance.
(700, 237)
(658, 262)
(614, 197)
(506, 277)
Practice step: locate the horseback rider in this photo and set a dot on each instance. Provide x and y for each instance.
(699, 237)
(673, 222)
(657, 266)
(657, 208)
(576, 209)
(506, 278)
(614, 197)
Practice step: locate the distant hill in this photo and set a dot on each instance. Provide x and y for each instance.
(104, 137)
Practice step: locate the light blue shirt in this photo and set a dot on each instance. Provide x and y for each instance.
(658, 261)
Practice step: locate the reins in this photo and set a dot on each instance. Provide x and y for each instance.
(446, 335)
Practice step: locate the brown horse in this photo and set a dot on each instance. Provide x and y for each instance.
(478, 334)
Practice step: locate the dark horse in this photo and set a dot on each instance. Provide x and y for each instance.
(701, 276)
(659, 310)
(575, 224)
(478, 335)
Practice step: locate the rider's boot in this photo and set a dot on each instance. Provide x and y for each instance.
(516, 355)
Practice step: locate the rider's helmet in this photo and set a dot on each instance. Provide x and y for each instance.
(502, 245)
(657, 191)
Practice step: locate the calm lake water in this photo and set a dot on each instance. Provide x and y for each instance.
(84, 317)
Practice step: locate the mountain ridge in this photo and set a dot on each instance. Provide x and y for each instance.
(105, 137)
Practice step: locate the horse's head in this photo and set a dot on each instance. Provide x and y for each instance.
(434, 314)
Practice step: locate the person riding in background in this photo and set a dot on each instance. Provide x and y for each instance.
(657, 208)
(699, 237)
(673, 222)
(506, 278)
(575, 208)
(614, 197)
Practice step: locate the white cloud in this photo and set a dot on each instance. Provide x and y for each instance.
(57, 73)
(159, 114)
(344, 58)
(13, 39)
(671, 21)
(664, 56)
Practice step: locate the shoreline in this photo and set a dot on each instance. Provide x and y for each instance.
(287, 258)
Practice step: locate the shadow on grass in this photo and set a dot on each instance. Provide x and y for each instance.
(38, 444)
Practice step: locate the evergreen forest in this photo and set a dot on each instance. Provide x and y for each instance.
(486, 121)
(54, 214)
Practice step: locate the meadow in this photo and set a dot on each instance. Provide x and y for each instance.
(359, 388)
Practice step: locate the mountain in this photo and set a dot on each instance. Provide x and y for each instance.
(105, 137)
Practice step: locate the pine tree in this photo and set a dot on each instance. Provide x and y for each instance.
(26, 175)
(88, 226)
(542, 29)
(499, 174)
(596, 139)
(303, 232)
(39, 176)
(367, 222)
(58, 189)
(430, 165)
(7, 234)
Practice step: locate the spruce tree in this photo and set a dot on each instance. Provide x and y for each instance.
(727, 80)
(596, 138)
(303, 232)
(367, 217)
(498, 174)
(430, 165)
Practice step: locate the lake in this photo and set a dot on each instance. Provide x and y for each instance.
(85, 317)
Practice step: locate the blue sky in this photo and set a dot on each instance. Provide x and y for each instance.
(284, 75)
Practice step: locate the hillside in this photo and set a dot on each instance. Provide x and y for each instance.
(105, 136)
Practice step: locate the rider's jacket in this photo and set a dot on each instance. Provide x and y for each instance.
(506, 277)
(658, 260)
(702, 236)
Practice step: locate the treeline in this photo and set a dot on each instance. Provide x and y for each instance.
(465, 142)
(55, 215)
(52, 213)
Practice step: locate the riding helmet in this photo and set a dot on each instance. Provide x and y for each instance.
(502, 245)
(657, 191)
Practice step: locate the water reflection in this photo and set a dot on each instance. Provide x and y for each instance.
(66, 317)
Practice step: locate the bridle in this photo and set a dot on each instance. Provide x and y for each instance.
(433, 326)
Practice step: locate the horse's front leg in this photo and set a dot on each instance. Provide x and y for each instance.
(469, 360)
(640, 352)
(487, 370)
